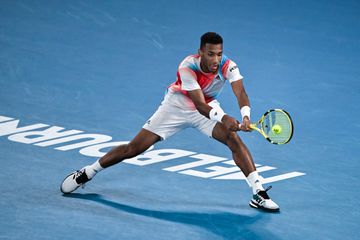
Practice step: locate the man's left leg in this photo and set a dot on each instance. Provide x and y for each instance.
(244, 161)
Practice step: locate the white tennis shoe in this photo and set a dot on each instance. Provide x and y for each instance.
(261, 200)
(73, 181)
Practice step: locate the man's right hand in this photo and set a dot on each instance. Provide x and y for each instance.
(230, 123)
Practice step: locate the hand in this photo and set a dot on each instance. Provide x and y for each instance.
(230, 123)
(245, 125)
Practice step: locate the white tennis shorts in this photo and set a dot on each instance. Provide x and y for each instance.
(170, 119)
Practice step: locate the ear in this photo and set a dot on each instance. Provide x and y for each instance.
(200, 52)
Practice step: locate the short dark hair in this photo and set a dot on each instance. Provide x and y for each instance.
(210, 37)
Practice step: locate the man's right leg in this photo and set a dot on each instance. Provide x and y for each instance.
(141, 142)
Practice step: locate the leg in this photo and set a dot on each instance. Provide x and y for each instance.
(244, 161)
(241, 154)
(141, 142)
(165, 122)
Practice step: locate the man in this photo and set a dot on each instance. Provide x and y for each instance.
(191, 102)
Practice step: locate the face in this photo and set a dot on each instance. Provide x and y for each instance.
(211, 55)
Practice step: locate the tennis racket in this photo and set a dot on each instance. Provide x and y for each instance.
(276, 126)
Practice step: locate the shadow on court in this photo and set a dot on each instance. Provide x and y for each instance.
(225, 224)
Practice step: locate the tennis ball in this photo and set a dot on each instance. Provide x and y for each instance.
(276, 129)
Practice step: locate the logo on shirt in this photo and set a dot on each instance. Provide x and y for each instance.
(233, 68)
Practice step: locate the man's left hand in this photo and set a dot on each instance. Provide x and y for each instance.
(245, 125)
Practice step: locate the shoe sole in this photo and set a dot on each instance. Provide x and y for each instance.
(257, 206)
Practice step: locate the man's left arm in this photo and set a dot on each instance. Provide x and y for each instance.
(244, 103)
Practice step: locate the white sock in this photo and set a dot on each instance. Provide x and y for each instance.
(254, 181)
(92, 170)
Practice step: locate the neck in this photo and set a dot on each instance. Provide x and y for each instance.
(203, 68)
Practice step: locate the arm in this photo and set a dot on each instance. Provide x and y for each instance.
(243, 100)
(198, 99)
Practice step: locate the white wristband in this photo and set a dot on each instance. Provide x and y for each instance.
(245, 111)
(216, 114)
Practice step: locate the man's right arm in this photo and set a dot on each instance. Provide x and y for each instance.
(198, 99)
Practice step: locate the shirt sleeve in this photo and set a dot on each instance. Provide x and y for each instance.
(188, 79)
(233, 73)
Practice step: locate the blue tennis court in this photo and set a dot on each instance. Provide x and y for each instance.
(80, 77)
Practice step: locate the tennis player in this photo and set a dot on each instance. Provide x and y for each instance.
(191, 102)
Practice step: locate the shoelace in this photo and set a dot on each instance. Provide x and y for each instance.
(263, 194)
(81, 175)
(77, 174)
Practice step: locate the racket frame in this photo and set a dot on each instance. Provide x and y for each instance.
(261, 130)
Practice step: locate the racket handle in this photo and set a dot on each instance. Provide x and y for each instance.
(252, 126)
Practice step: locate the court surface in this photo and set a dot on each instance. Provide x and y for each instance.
(99, 69)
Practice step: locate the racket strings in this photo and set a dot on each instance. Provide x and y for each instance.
(283, 121)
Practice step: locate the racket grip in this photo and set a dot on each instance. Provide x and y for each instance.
(252, 126)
